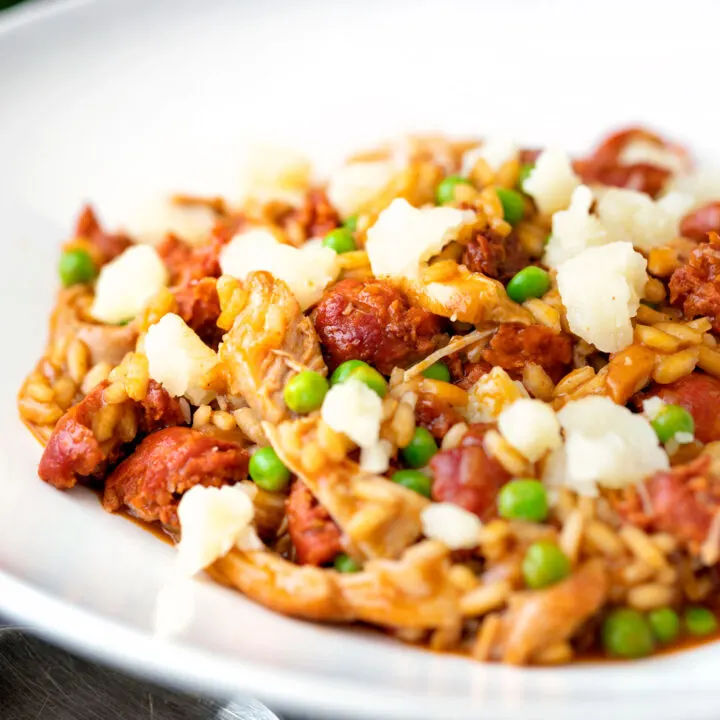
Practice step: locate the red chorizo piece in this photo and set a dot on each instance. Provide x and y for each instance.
(316, 216)
(683, 502)
(695, 287)
(467, 476)
(466, 374)
(186, 263)
(74, 453)
(313, 532)
(494, 255)
(605, 165)
(699, 394)
(514, 346)
(166, 464)
(373, 321)
(199, 306)
(698, 223)
(109, 245)
(436, 415)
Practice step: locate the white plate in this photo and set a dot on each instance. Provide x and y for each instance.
(116, 101)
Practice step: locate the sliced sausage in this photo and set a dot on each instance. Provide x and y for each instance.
(199, 306)
(494, 255)
(166, 464)
(698, 223)
(373, 321)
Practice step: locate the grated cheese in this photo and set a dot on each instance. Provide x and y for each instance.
(601, 290)
(453, 526)
(491, 394)
(307, 270)
(404, 237)
(354, 409)
(126, 284)
(552, 181)
(531, 427)
(178, 359)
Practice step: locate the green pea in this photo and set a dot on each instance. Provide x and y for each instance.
(626, 633)
(446, 189)
(530, 282)
(524, 174)
(343, 371)
(670, 420)
(700, 621)
(268, 471)
(340, 240)
(544, 564)
(345, 564)
(523, 499)
(438, 371)
(371, 377)
(413, 480)
(351, 223)
(76, 266)
(513, 205)
(664, 623)
(305, 392)
(421, 448)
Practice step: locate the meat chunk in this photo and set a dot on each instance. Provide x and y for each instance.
(92, 435)
(514, 346)
(373, 321)
(270, 338)
(167, 464)
(682, 501)
(695, 287)
(467, 475)
(313, 532)
(537, 619)
(186, 263)
(698, 223)
(436, 415)
(699, 394)
(494, 255)
(606, 165)
(108, 245)
(199, 306)
(314, 218)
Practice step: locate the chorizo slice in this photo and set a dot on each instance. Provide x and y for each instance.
(698, 223)
(166, 464)
(314, 533)
(199, 306)
(108, 245)
(92, 434)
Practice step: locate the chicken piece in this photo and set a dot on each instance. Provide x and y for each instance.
(379, 518)
(270, 341)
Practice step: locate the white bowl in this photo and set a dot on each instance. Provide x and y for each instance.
(121, 101)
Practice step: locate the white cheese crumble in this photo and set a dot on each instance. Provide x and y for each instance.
(151, 222)
(178, 359)
(491, 394)
(214, 520)
(531, 427)
(552, 181)
(354, 409)
(635, 217)
(307, 270)
(376, 458)
(683, 438)
(271, 168)
(453, 526)
(404, 237)
(652, 407)
(606, 445)
(601, 290)
(494, 151)
(574, 229)
(126, 283)
(353, 186)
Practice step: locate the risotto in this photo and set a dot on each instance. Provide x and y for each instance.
(462, 391)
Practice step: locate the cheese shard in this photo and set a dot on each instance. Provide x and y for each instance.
(574, 229)
(552, 181)
(306, 270)
(178, 359)
(405, 237)
(352, 408)
(531, 427)
(632, 216)
(601, 290)
(354, 185)
(126, 284)
(606, 445)
(455, 527)
(213, 520)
